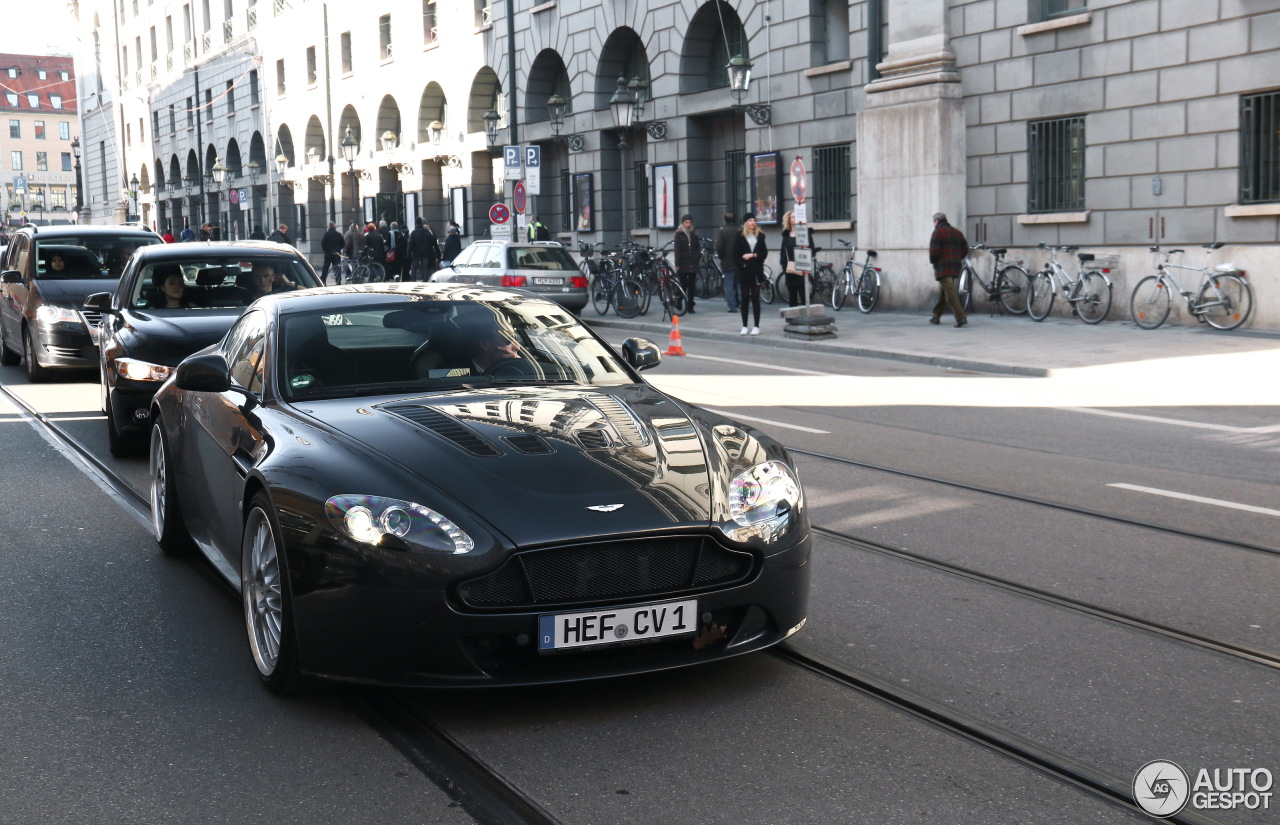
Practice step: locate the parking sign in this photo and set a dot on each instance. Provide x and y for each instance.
(512, 170)
(533, 169)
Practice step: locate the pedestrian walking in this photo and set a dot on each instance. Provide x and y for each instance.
(750, 249)
(728, 263)
(352, 241)
(256, 234)
(538, 230)
(688, 253)
(452, 245)
(947, 251)
(186, 234)
(787, 257)
(375, 248)
(281, 234)
(424, 251)
(331, 246)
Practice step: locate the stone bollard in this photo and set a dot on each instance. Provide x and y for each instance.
(811, 323)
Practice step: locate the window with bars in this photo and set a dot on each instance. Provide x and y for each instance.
(735, 182)
(313, 75)
(345, 49)
(1055, 165)
(280, 78)
(231, 96)
(430, 26)
(640, 174)
(1048, 9)
(832, 196)
(384, 37)
(1260, 147)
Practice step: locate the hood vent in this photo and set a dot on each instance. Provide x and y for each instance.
(446, 427)
(624, 423)
(529, 444)
(594, 439)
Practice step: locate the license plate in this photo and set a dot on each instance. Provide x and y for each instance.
(549, 281)
(562, 631)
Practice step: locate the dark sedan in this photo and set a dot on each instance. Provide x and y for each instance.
(172, 300)
(429, 484)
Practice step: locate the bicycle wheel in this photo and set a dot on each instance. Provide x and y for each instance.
(1042, 295)
(964, 287)
(1149, 304)
(767, 294)
(868, 290)
(1013, 286)
(377, 273)
(674, 298)
(1225, 301)
(779, 289)
(601, 294)
(840, 292)
(824, 281)
(1094, 297)
(360, 274)
(628, 295)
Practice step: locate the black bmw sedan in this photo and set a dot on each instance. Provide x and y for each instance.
(433, 484)
(172, 300)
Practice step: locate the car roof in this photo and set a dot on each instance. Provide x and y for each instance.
(85, 230)
(353, 295)
(216, 249)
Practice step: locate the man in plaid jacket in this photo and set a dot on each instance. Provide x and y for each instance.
(947, 251)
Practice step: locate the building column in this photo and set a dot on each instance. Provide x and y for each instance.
(911, 148)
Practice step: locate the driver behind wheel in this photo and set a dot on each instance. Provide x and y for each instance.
(492, 348)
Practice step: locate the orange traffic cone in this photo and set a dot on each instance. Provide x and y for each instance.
(676, 347)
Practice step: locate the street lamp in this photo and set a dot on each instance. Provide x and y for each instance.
(491, 119)
(75, 150)
(437, 142)
(557, 106)
(622, 107)
(133, 198)
(349, 146)
(739, 68)
(220, 171)
(389, 141)
(254, 169)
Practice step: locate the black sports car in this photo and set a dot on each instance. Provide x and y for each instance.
(172, 300)
(434, 484)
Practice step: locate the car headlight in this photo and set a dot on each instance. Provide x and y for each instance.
(761, 500)
(50, 314)
(390, 521)
(136, 370)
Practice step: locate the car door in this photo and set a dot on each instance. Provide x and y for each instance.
(13, 299)
(226, 435)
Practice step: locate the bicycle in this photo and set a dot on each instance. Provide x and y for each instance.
(865, 286)
(1089, 293)
(710, 274)
(1224, 301)
(1010, 284)
(822, 281)
(367, 271)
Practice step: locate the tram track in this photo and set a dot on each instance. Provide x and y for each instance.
(1025, 499)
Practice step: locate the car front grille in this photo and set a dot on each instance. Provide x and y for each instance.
(617, 570)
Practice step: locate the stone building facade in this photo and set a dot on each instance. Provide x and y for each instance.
(38, 122)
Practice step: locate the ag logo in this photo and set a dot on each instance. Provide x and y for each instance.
(1161, 788)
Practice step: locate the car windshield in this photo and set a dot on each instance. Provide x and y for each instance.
(553, 258)
(98, 256)
(428, 346)
(215, 282)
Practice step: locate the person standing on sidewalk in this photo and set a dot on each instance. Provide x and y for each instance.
(688, 250)
(947, 251)
(728, 263)
(787, 258)
(331, 246)
(749, 251)
(424, 252)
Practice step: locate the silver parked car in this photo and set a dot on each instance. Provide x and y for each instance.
(544, 268)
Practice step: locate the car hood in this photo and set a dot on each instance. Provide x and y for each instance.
(167, 339)
(546, 464)
(71, 293)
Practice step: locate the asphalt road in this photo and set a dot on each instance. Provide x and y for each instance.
(130, 695)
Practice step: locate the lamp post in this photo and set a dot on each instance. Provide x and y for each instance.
(491, 119)
(219, 177)
(282, 166)
(349, 146)
(75, 151)
(622, 107)
(739, 69)
(254, 169)
(132, 192)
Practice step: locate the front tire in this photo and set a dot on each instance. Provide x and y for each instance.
(840, 292)
(8, 357)
(1042, 294)
(167, 524)
(1237, 301)
(767, 294)
(35, 373)
(1014, 285)
(268, 609)
(1095, 297)
(601, 296)
(1149, 304)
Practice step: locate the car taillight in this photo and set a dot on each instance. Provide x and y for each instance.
(513, 280)
(578, 281)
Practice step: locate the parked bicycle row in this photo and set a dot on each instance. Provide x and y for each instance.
(1223, 299)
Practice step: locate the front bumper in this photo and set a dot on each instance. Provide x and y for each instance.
(64, 345)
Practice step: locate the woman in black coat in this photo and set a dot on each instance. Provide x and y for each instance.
(750, 251)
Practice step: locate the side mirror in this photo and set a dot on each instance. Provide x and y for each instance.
(11, 276)
(641, 354)
(99, 302)
(203, 373)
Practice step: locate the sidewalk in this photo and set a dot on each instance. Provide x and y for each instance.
(1003, 345)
